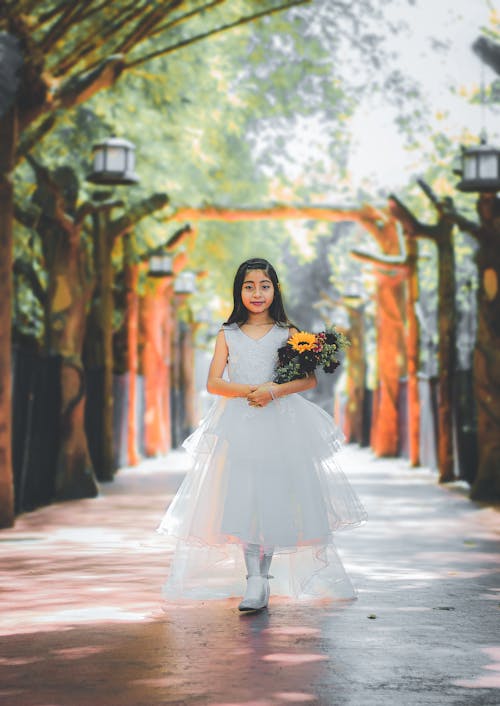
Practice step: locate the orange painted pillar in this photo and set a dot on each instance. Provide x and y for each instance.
(154, 364)
(132, 314)
(391, 360)
(412, 352)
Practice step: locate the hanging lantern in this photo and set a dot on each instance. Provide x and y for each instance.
(185, 282)
(160, 266)
(114, 163)
(480, 168)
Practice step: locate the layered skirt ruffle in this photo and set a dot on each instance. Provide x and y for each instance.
(268, 477)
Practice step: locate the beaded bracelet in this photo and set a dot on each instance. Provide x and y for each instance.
(271, 393)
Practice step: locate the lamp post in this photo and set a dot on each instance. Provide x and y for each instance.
(113, 165)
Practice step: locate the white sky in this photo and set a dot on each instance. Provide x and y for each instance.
(380, 151)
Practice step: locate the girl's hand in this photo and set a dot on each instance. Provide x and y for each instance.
(261, 396)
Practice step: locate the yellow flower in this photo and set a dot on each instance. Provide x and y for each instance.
(302, 341)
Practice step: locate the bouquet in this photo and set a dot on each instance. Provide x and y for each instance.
(304, 352)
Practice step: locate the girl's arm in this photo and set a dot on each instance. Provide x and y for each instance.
(215, 384)
(271, 390)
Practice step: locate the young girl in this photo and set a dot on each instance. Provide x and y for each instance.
(264, 486)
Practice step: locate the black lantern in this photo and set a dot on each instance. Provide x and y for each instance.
(185, 282)
(160, 266)
(479, 168)
(114, 163)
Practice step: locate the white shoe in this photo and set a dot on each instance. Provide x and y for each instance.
(257, 594)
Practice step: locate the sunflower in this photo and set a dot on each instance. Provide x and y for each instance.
(302, 341)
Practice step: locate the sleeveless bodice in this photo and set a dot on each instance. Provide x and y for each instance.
(253, 361)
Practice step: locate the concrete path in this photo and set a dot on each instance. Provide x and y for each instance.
(82, 622)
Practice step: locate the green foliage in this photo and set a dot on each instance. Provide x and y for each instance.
(223, 121)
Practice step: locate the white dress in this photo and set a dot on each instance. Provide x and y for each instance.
(265, 476)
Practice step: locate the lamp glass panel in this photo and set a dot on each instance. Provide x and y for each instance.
(130, 160)
(155, 263)
(488, 166)
(99, 160)
(470, 166)
(115, 161)
(185, 283)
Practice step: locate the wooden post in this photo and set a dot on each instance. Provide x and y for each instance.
(441, 233)
(486, 486)
(412, 354)
(106, 308)
(132, 323)
(99, 340)
(8, 141)
(356, 373)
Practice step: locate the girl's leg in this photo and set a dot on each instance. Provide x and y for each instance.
(266, 558)
(257, 592)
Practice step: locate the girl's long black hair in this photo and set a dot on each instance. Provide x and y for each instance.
(239, 314)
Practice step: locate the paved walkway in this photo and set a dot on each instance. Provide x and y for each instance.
(82, 623)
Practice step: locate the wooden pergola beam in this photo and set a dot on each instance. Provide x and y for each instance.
(277, 212)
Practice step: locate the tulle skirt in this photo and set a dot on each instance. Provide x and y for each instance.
(267, 477)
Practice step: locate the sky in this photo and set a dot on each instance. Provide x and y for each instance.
(380, 152)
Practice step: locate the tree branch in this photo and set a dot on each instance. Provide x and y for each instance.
(31, 138)
(381, 261)
(446, 211)
(94, 43)
(182, 18)
(277, 212)
(412, 226)
(50, 14)
(143, 27)
(43, 176)
(174, 241)
(68, 17)
(217, 30)
(80, 88)
(137, 213)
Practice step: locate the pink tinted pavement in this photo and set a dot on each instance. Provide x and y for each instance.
(82, 621)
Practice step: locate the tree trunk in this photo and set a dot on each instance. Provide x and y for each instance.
(8, 141)
(412, 355)
(67, 312)
(391, 362)
(487, 361)
(356, 372)
(441, 234)
(99, 347)
(74, 471)
(446, 351)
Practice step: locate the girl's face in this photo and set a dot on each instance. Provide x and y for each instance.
(257, 292)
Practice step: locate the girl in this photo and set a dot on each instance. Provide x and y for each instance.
(264, 486)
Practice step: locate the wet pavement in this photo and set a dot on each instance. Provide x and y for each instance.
(82, 622)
